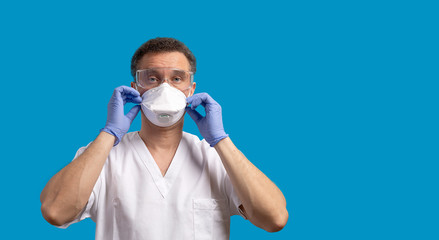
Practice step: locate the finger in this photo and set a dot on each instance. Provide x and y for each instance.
(120, 94)
(127, 91)
(117, 95)
(200, 98)
(135, 100)
(133, 112)
(196, 116)
(194, 100)
(206, 98)
(131, 98)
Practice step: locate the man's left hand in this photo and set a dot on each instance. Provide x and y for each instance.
(211, 125)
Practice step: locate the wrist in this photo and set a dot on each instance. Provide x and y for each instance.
(223, 144)
(112, 133)
(215, 140)
(107, 137)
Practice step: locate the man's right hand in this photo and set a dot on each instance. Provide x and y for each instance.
(117, 122)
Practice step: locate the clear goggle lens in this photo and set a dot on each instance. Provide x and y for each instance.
(153, 77)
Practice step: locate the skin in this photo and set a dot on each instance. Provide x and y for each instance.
(67, 193)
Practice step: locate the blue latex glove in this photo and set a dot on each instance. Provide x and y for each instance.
(210, 126)
(117, 122)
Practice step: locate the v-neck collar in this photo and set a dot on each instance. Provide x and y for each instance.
(163, 183)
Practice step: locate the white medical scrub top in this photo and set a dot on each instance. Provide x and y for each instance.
(133, 200)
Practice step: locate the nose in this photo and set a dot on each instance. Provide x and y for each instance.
(166, 80)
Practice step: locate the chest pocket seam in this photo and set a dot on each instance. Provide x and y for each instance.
(210, 218)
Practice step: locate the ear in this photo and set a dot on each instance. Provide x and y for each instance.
(192, 91)
(134, 85)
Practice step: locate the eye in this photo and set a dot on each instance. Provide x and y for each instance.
(176, 79)
(152, 79)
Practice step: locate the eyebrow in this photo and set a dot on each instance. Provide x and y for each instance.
(175, 71)
(157, 71)
(154, 72)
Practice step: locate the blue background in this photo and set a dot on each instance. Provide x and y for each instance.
(335, 101)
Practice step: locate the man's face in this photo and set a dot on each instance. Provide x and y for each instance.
(164, 60)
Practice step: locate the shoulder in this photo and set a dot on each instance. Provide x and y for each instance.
(195, 143)
(129, 137)
(128, 140)
(202, 150)
(191, 138)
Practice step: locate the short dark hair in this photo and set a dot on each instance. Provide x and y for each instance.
(162, 44)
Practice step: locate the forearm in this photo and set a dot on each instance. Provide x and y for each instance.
(263, 202)
(69, 190)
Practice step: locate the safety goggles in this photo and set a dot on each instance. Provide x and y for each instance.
(153, 77)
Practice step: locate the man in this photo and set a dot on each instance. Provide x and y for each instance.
(161, 182)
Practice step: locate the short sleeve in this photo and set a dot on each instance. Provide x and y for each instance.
(91, 204)
(234, 201)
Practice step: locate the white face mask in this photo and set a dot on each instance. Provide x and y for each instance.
(163, 105)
